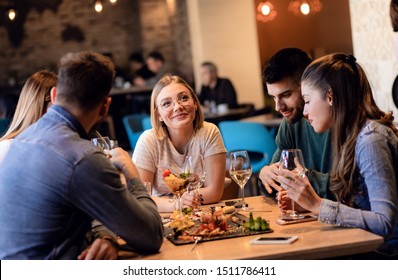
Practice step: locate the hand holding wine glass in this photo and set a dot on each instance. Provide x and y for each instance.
(292, 159)
(240, 171)
(104, 143)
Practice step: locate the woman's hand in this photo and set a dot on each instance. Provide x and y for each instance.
(191, 199)
(269, 177)
(285, 204)
(300, 190)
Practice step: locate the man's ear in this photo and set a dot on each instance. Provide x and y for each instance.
(105, 107)
(53, 94)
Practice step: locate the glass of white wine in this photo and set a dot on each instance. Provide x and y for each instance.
(293, 160)
(240, 171)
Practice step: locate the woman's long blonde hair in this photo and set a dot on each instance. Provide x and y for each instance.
(32, 102)
(158, 126)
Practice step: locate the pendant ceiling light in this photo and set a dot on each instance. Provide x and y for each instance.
(266, 11)
(12, 14)
(98, 6)
(305, 7)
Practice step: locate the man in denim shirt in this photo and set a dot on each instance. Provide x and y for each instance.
(54, 181)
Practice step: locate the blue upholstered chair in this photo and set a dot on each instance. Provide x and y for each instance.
(252, 137)
(134, 127)
(146, 123)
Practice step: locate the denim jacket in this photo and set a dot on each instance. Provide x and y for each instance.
(375, 198)
(53, 182)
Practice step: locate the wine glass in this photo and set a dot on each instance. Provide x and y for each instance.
(182, 187)
(177, 184)
(293, 160)
(240, 171)
(194, 165)
(104, 143)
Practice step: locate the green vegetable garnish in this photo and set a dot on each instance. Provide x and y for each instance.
(185, 175)
(187, 211)
(257, 224)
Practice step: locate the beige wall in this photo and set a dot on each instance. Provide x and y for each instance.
(373, 40)
(224, 31)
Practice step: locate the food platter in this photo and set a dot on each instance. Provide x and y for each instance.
(234, 227)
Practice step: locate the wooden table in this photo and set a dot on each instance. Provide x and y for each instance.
(316, 241)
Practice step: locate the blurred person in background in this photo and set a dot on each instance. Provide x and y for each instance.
(216, 90)
(156, 64)
(138, 67)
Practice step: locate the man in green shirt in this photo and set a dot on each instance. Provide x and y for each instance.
(282, 75)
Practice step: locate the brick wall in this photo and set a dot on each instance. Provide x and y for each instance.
(165, 28)
(131, 25)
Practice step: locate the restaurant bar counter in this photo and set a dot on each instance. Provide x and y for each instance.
(316, 240)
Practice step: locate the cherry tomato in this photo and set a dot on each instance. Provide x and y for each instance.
(166, 173)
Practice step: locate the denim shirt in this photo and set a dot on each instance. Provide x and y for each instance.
(375, 193)
(54, 181)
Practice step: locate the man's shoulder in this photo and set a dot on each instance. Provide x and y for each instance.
(224, 81)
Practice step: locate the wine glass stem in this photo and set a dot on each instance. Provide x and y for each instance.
(242, 190)
(293, 211)
(180, 205)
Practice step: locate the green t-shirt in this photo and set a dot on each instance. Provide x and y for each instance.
(316, 148)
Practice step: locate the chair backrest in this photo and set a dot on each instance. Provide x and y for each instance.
(4, 123)
(134, 127)
(252, 137)
(146, 123)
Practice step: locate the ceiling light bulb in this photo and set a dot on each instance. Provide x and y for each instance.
(265, 10)
(112, 1)
(12, 14)
(305, 8)
(98, 6)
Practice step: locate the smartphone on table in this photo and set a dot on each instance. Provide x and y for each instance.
(274, 240)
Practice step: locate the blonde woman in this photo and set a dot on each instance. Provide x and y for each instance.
(32, 104)
(179, 130)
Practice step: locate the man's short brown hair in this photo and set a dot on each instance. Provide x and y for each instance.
(84, 79)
